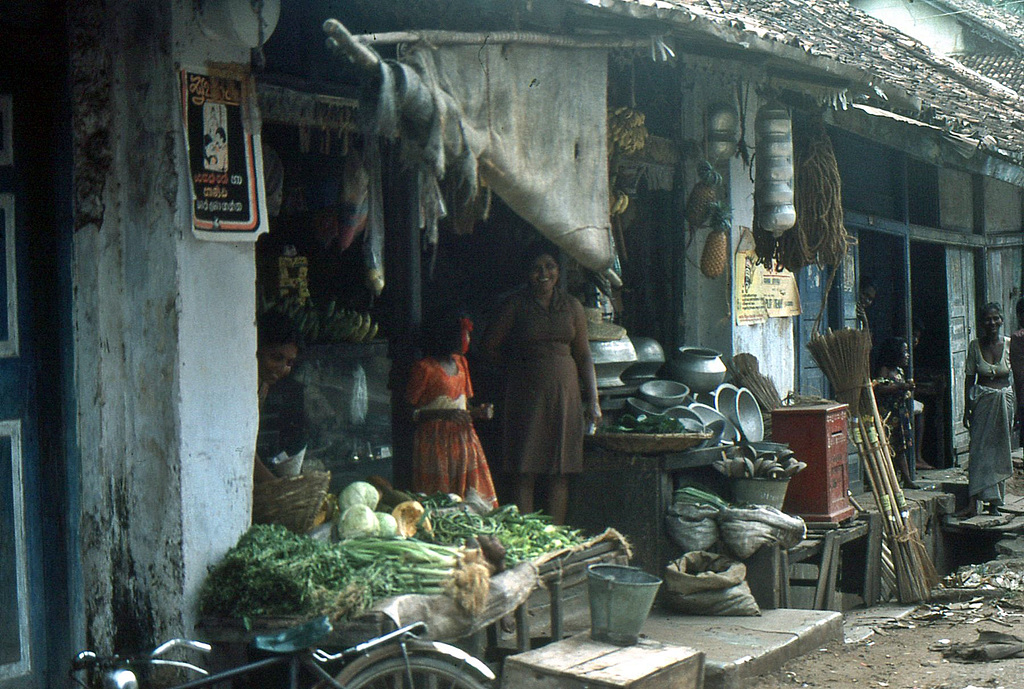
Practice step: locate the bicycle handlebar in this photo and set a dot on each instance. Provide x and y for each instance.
(180, 643)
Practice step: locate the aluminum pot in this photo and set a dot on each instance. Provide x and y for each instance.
(702, 370)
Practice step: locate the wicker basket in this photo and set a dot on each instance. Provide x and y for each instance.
(648, 443)
(293, 502)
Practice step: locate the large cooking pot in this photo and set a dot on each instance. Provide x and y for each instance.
(649, 359)
(702, 370)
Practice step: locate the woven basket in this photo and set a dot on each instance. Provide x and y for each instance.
(648, 443)
(293, 502)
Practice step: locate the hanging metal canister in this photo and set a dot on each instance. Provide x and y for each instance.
(773, 176)
(723, 131)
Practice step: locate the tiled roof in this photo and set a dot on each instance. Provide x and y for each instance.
(1006, 69)
(892, 70)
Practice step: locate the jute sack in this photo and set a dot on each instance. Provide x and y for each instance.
(745, 530)
(692, 527)
(702, 583)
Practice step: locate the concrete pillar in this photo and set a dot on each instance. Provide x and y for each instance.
(164, 333)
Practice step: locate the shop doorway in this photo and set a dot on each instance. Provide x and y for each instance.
(884, 267)
(931, 355)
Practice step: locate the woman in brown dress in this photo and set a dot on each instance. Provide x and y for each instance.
(540, 335)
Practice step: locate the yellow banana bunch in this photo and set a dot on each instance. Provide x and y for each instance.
(619, 203)
(626, 129)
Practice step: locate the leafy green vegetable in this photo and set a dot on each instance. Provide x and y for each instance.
(358, 493)
(358, 521)
(387, 525)
(524, 536)
(272, 571)
(645, 424)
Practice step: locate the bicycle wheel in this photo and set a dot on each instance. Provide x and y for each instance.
(427, 673)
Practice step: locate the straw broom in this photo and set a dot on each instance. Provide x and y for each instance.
(745, 370)
(844, 358)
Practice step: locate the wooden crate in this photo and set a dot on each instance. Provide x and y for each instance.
(579, 662)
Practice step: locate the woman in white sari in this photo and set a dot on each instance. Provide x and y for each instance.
(988, 411)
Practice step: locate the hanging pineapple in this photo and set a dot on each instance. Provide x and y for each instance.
(702, 196)
(716, 246)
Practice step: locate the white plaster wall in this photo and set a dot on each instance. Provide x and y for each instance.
(217, 349)
(708, 303)
(707, 307)
(164, 336)
(931, 25)
(772, 342)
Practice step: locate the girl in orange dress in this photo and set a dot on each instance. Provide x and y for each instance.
(447, 456)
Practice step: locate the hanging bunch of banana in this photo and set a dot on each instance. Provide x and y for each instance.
(344, 325)
(627, 132)
(326, 325)
(619, 203)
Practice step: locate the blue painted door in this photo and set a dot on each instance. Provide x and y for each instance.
(811, 282)
(22, 620)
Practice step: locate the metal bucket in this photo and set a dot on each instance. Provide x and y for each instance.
(760, 491)
(620, 600)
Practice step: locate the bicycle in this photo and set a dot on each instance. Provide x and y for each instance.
(396, 660)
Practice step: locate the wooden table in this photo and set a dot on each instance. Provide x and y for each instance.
(632, 493)
(769, 573)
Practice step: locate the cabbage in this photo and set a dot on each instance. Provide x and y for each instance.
(358, 521)
(358, 493)
(388, 525)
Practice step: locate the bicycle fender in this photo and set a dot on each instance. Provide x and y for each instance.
(452, 654)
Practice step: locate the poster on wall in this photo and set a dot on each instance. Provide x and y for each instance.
(6, 129)
(761, 293)
(750, 306)
(224, 156)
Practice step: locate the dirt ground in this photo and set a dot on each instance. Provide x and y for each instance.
(908, 653)
(914, 652)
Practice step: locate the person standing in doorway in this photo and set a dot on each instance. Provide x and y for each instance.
(865, 298)
(540, 335)
(896, 401)
(988, 411)
(1017, 366)
(447, 455)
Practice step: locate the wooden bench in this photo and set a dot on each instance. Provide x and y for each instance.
(769, 570)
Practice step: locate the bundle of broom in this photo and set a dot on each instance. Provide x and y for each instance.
(745, 370)
(844, 357)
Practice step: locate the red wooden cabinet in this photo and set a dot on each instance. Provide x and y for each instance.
(817, 434)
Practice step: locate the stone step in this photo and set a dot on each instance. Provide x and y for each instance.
(737, 649)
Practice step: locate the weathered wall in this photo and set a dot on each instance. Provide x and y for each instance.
(772, 342)
(934, 27)
(164, 336)
(707, 309)
(955, 200)
(708, 303)
(1002, 206)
